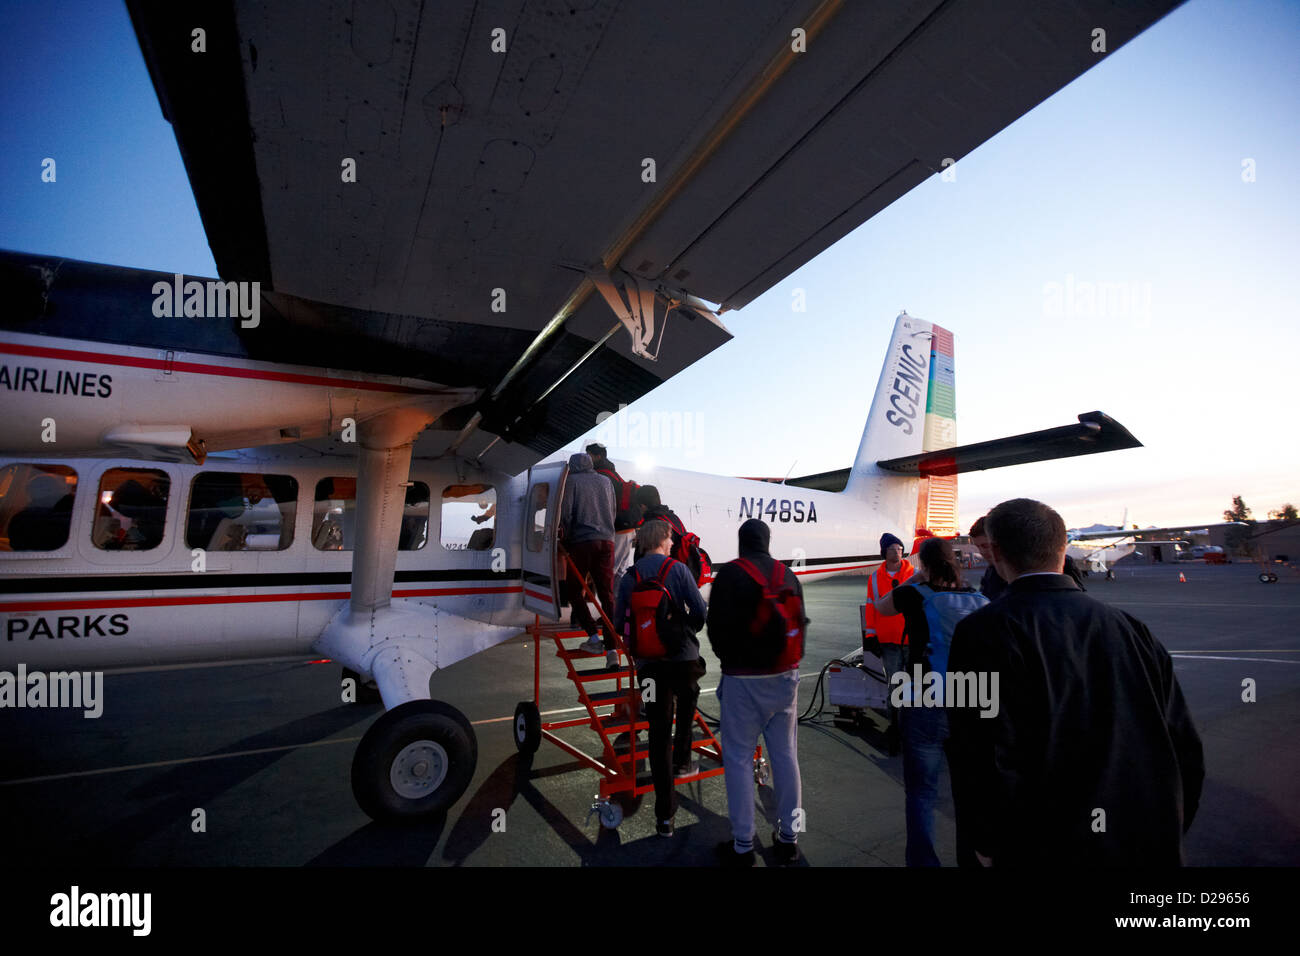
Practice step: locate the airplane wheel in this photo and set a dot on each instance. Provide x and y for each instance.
(414, 761)
(528, 727)
(367, 691)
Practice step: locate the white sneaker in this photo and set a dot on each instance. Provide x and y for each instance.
(692, 768)
(593, 645)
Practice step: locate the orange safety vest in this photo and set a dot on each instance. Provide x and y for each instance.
(887, 629)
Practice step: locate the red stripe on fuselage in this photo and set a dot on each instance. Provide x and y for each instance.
(82, 604)
(847, 567)
(108, 358)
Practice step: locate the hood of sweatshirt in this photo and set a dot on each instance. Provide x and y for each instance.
(755, 536)
(580, 461)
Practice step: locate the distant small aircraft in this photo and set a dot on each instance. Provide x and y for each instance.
(1120, 542)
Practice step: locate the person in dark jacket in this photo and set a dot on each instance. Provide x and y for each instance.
(587, 530)
(676, 677)
(991, 585)
(1092, 758)
(759, 693)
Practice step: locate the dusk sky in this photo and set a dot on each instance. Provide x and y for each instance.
(1131, 245)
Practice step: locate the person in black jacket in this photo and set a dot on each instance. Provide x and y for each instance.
(759, 693)
(991, 584)
(1092, 758)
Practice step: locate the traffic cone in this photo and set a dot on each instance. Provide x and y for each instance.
(1182, 578)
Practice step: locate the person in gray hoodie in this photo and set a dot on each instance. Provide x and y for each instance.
(587, 531)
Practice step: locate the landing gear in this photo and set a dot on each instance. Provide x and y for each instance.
(528, 727)
(414, 761)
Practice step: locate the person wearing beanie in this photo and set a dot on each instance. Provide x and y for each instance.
(758, 692)
(886, 636)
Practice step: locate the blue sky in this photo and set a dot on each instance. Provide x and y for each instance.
(1131, 176)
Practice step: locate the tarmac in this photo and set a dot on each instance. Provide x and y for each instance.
(249, 765)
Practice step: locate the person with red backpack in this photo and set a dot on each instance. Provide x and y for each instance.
(757, 626)
(659, 610)
(686, 545)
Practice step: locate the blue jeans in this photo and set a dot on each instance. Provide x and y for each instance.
(893, 658)
(924, 731)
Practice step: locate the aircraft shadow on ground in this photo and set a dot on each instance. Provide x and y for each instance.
(173, 794)
(869, 733)
(515, 778)
(381, 844)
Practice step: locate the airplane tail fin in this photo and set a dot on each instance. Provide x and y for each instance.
(913, 411)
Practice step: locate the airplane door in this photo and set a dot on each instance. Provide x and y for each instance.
(541, 533)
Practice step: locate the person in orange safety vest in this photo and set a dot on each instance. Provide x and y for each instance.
(884, 635)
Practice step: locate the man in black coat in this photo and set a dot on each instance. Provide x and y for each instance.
(1089, 756)
(758, 693)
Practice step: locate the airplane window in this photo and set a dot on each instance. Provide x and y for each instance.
(132, 509)
(333, 523)
(537, 507)
(469, 517)
(35, 506)
(415, 518)
(233, 511)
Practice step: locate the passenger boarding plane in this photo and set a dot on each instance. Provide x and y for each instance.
(446, 249)
(279, 554)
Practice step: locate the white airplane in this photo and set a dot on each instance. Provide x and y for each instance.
(349, 462)
(1097, 548)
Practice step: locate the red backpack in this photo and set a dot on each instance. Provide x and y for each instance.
(778, 623)
(624, 490)
(654, 627)
(687, 550)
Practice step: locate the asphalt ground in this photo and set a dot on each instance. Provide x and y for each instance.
(264, 751)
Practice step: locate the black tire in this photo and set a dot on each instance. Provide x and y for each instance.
(528, 727)
(414, 742)
(367, 691)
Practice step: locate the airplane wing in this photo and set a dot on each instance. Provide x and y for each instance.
(501, 191)
(1094, 433)
(1168, 529)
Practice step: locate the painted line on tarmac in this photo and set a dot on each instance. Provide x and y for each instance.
(1274, 607)
(260, 750)
(1253, 660)
(173, 763)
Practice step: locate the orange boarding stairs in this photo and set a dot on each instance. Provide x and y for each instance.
(621, 753)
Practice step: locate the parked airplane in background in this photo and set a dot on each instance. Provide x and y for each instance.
(1115, 544)
(442, 265)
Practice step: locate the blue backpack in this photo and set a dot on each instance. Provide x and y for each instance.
(943, 609)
